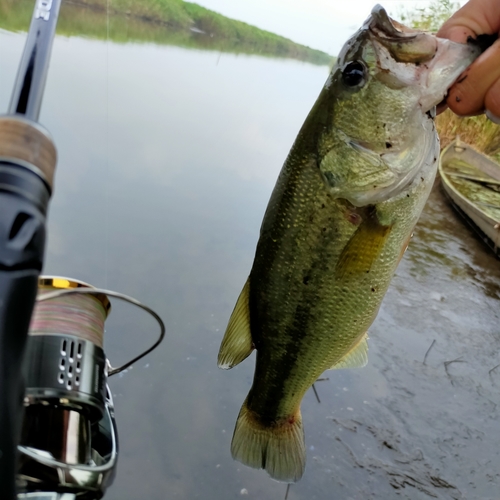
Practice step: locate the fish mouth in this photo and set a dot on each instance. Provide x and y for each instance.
(435, 63)
(404, 44)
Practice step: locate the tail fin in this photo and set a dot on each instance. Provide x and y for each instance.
(279, 449)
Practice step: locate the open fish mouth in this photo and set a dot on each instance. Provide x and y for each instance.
(427, 61)
(405, 44)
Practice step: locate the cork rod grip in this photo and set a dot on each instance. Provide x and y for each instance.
(21, 139)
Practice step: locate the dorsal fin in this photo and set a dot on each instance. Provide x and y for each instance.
(356, 357)
(237, 343)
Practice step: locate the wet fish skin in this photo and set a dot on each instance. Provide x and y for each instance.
(338, 221)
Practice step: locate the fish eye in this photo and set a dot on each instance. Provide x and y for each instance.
(353, 74)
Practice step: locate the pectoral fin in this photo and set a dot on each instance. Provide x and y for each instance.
(357, 357)
(237, 343)
(363, 248)
(404, 247)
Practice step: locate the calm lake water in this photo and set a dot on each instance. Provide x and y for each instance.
(167, 158)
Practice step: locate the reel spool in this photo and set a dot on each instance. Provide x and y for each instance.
(69, 441)
(65, 363)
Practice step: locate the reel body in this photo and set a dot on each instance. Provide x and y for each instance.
(69, 440)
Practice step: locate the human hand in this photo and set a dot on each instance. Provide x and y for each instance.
(477, 90)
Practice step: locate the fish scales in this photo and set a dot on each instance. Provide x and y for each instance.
(293, 288)
(337, 224)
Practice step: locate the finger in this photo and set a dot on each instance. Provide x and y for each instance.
(466, 97)
(492, 102)
(476, 16)
(458, 34)
(441, 107)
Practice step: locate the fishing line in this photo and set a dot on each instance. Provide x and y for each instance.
(82, 316)
(107, 179)
(81, 312)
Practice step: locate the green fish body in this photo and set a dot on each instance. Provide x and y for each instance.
(337, 224)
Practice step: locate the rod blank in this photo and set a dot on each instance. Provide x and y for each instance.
(32, 73)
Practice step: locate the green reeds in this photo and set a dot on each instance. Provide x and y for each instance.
(477, 131)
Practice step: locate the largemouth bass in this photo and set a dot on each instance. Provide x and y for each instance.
(338, 222)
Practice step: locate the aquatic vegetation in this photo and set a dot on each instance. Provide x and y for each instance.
(477, 131)
(429, 17)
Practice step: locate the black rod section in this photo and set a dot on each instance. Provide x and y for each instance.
(30, 81)
(24, 198)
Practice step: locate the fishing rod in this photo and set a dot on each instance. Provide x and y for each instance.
(58, 436)
(27, 164)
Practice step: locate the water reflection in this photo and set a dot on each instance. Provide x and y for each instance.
(442, 239)
(167, 158)
(91, 20)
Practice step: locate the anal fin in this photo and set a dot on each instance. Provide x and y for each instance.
(356, 357)
(237, 343)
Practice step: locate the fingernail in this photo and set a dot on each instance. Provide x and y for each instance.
(492, 117)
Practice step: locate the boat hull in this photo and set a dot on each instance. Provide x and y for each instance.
(483, 217)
